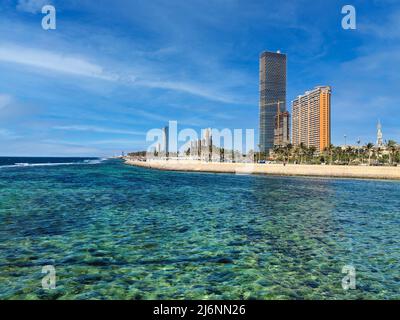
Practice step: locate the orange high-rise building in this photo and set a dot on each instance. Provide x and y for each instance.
(311, 118)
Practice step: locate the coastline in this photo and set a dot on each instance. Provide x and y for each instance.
(330, 171)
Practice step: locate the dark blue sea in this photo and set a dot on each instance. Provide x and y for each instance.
(113, 231)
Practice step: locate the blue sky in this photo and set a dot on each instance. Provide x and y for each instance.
(112, 70)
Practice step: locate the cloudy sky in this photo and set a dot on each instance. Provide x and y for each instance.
(112, 70)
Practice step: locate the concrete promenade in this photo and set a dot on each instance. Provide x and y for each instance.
(363, 172)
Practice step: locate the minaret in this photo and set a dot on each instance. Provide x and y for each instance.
(379, 135)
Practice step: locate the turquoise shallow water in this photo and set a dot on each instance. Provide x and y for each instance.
(119, 232)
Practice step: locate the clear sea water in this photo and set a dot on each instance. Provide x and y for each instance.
(118, 232)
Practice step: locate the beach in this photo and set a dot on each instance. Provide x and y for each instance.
(359, 172)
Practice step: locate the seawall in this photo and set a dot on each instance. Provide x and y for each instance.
(362, 172)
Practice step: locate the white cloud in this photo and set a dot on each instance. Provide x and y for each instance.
(7, 134)
(117, 142)
(32, 6)
(81, 66)
(187, 88)
(52, 61)
(388, 29)
(5, 100)
(42, 149)
(97, 129)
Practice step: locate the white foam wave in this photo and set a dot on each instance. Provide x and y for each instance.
(51, 164)
(94, 161)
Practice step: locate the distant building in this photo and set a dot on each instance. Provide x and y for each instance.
(208, 136)
(311, 118)
(165, 146)
(208, 144)
(272, 95)
(282, 129)
(379, 135)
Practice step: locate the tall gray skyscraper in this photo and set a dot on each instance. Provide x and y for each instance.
(272, 95)
(165, 146)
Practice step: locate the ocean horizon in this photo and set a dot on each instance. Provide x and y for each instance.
(114, 231)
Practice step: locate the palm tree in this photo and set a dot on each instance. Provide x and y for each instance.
(330, 149)
(303, 151)
(392, 146)
(258, 157)
(349, 153)
(311, 152)
(337, 153)
(279, 152)
(296, 154)
(369, 147)
(378, 152)
(289, 150)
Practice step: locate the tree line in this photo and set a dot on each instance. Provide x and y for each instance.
(369, 154)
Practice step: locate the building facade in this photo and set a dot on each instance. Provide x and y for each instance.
(311, 118)
(272, 95)
(282, 129)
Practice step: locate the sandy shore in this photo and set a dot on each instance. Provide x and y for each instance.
(363, 172)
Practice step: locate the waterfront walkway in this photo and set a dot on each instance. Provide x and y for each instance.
(364, 172)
